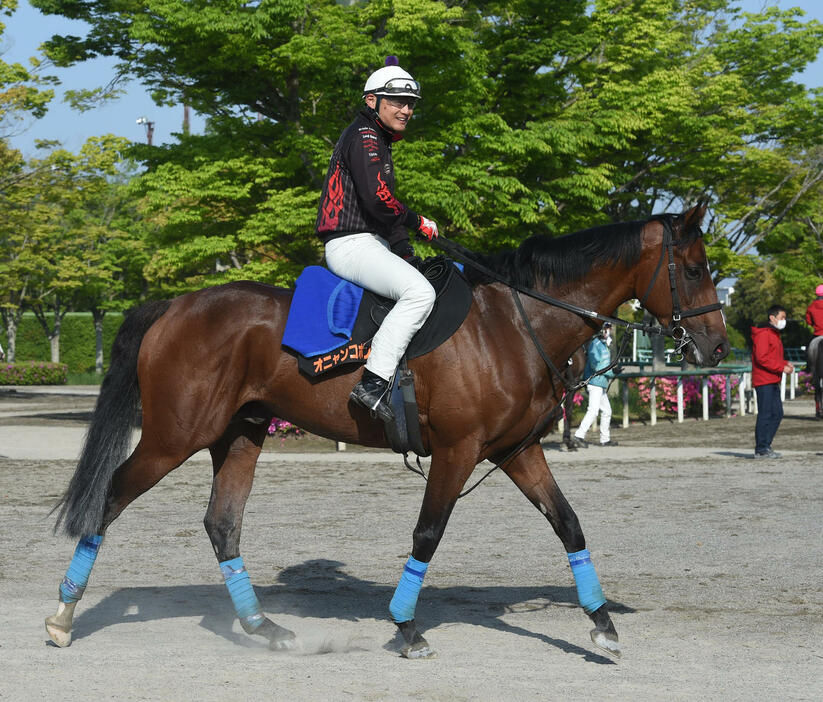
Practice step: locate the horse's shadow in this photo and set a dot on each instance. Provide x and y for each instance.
(321, 589)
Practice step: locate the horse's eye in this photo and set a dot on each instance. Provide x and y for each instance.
(694, 272)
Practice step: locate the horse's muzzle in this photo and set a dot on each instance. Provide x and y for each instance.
(705, 355)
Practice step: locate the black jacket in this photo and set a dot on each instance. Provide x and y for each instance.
(358, 194)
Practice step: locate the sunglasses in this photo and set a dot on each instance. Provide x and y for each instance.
(401, 102)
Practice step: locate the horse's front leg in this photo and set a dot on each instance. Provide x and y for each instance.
(450, 468)
(234, 457)
(530, 472)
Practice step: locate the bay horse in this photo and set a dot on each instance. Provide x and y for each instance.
(209, 371)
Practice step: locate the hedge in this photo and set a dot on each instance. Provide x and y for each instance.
(33, 373)
(76, 340)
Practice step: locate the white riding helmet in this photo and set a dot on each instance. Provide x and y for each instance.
(391, 81)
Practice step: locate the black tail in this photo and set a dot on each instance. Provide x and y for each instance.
(108, 438)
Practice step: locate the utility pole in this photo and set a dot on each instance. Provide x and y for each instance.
(149, 128)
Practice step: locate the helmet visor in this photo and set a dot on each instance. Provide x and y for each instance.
(399, 86)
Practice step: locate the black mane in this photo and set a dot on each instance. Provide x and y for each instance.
(567, 259)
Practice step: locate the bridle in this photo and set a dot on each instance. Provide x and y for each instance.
(676, 331)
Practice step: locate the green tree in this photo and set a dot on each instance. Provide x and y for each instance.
(537, 117)
(21, 258)
(61, 242)
(24, 95)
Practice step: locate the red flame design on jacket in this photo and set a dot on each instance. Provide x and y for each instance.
(385, 195)
(333, 203)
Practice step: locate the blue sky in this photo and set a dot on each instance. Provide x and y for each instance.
(27, 29)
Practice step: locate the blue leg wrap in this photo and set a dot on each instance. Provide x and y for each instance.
(242, 593)
(404, 602)
(77, 576)
(589, 591)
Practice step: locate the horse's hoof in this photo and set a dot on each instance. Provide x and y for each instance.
(285, 645)
(607, 641)
(58, 626)
(280, 638)
(60, 636)
(418, 650)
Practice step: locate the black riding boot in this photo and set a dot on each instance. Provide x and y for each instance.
(372, 393)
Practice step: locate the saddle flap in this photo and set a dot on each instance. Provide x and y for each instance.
(322, 313)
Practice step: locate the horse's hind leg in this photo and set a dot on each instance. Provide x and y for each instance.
(143, 469)
(234, 457)
(531, 474)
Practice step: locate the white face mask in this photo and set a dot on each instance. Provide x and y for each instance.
(781, 324)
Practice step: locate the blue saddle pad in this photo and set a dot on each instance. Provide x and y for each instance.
(322, 312)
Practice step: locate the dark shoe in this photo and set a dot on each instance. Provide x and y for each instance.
(580, 443)
(608, 443)
(769, 453)
(371, 392)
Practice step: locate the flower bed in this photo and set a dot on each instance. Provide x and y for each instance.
(666, 399)
(282, 429)
(804, 382)
(33, 373)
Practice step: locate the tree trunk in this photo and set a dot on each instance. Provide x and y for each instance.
(52, 333)
(54, 342)
(97, 316)
(11, 320)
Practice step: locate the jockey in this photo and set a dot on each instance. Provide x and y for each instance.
(364, 226)
(814, 313)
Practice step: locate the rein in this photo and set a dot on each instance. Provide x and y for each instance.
(675, 331)
(678, 333)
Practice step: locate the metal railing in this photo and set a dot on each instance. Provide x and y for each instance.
(746, 398)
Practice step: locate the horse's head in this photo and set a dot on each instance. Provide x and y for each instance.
(682, 297)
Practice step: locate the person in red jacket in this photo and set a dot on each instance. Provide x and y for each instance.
(768, 366)
(814, 312)
(814, 350)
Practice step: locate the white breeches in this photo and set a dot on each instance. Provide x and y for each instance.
(366, 260)
(598, 402)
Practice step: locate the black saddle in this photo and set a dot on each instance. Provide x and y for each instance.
(452, 303)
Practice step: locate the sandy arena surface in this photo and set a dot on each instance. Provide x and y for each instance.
(712, 563)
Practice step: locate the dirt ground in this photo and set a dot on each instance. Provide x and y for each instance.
(712, 563)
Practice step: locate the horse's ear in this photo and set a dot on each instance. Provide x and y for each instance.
(693, 217)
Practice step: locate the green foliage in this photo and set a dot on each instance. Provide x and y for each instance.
(70, 236)
(23, 91)
(536, 118)
(33, 373)
(754, 293)
(77, 340)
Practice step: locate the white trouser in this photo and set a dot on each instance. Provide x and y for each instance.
(598, 402)
(366, 260)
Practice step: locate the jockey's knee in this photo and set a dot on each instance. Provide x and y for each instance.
(421, 295)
